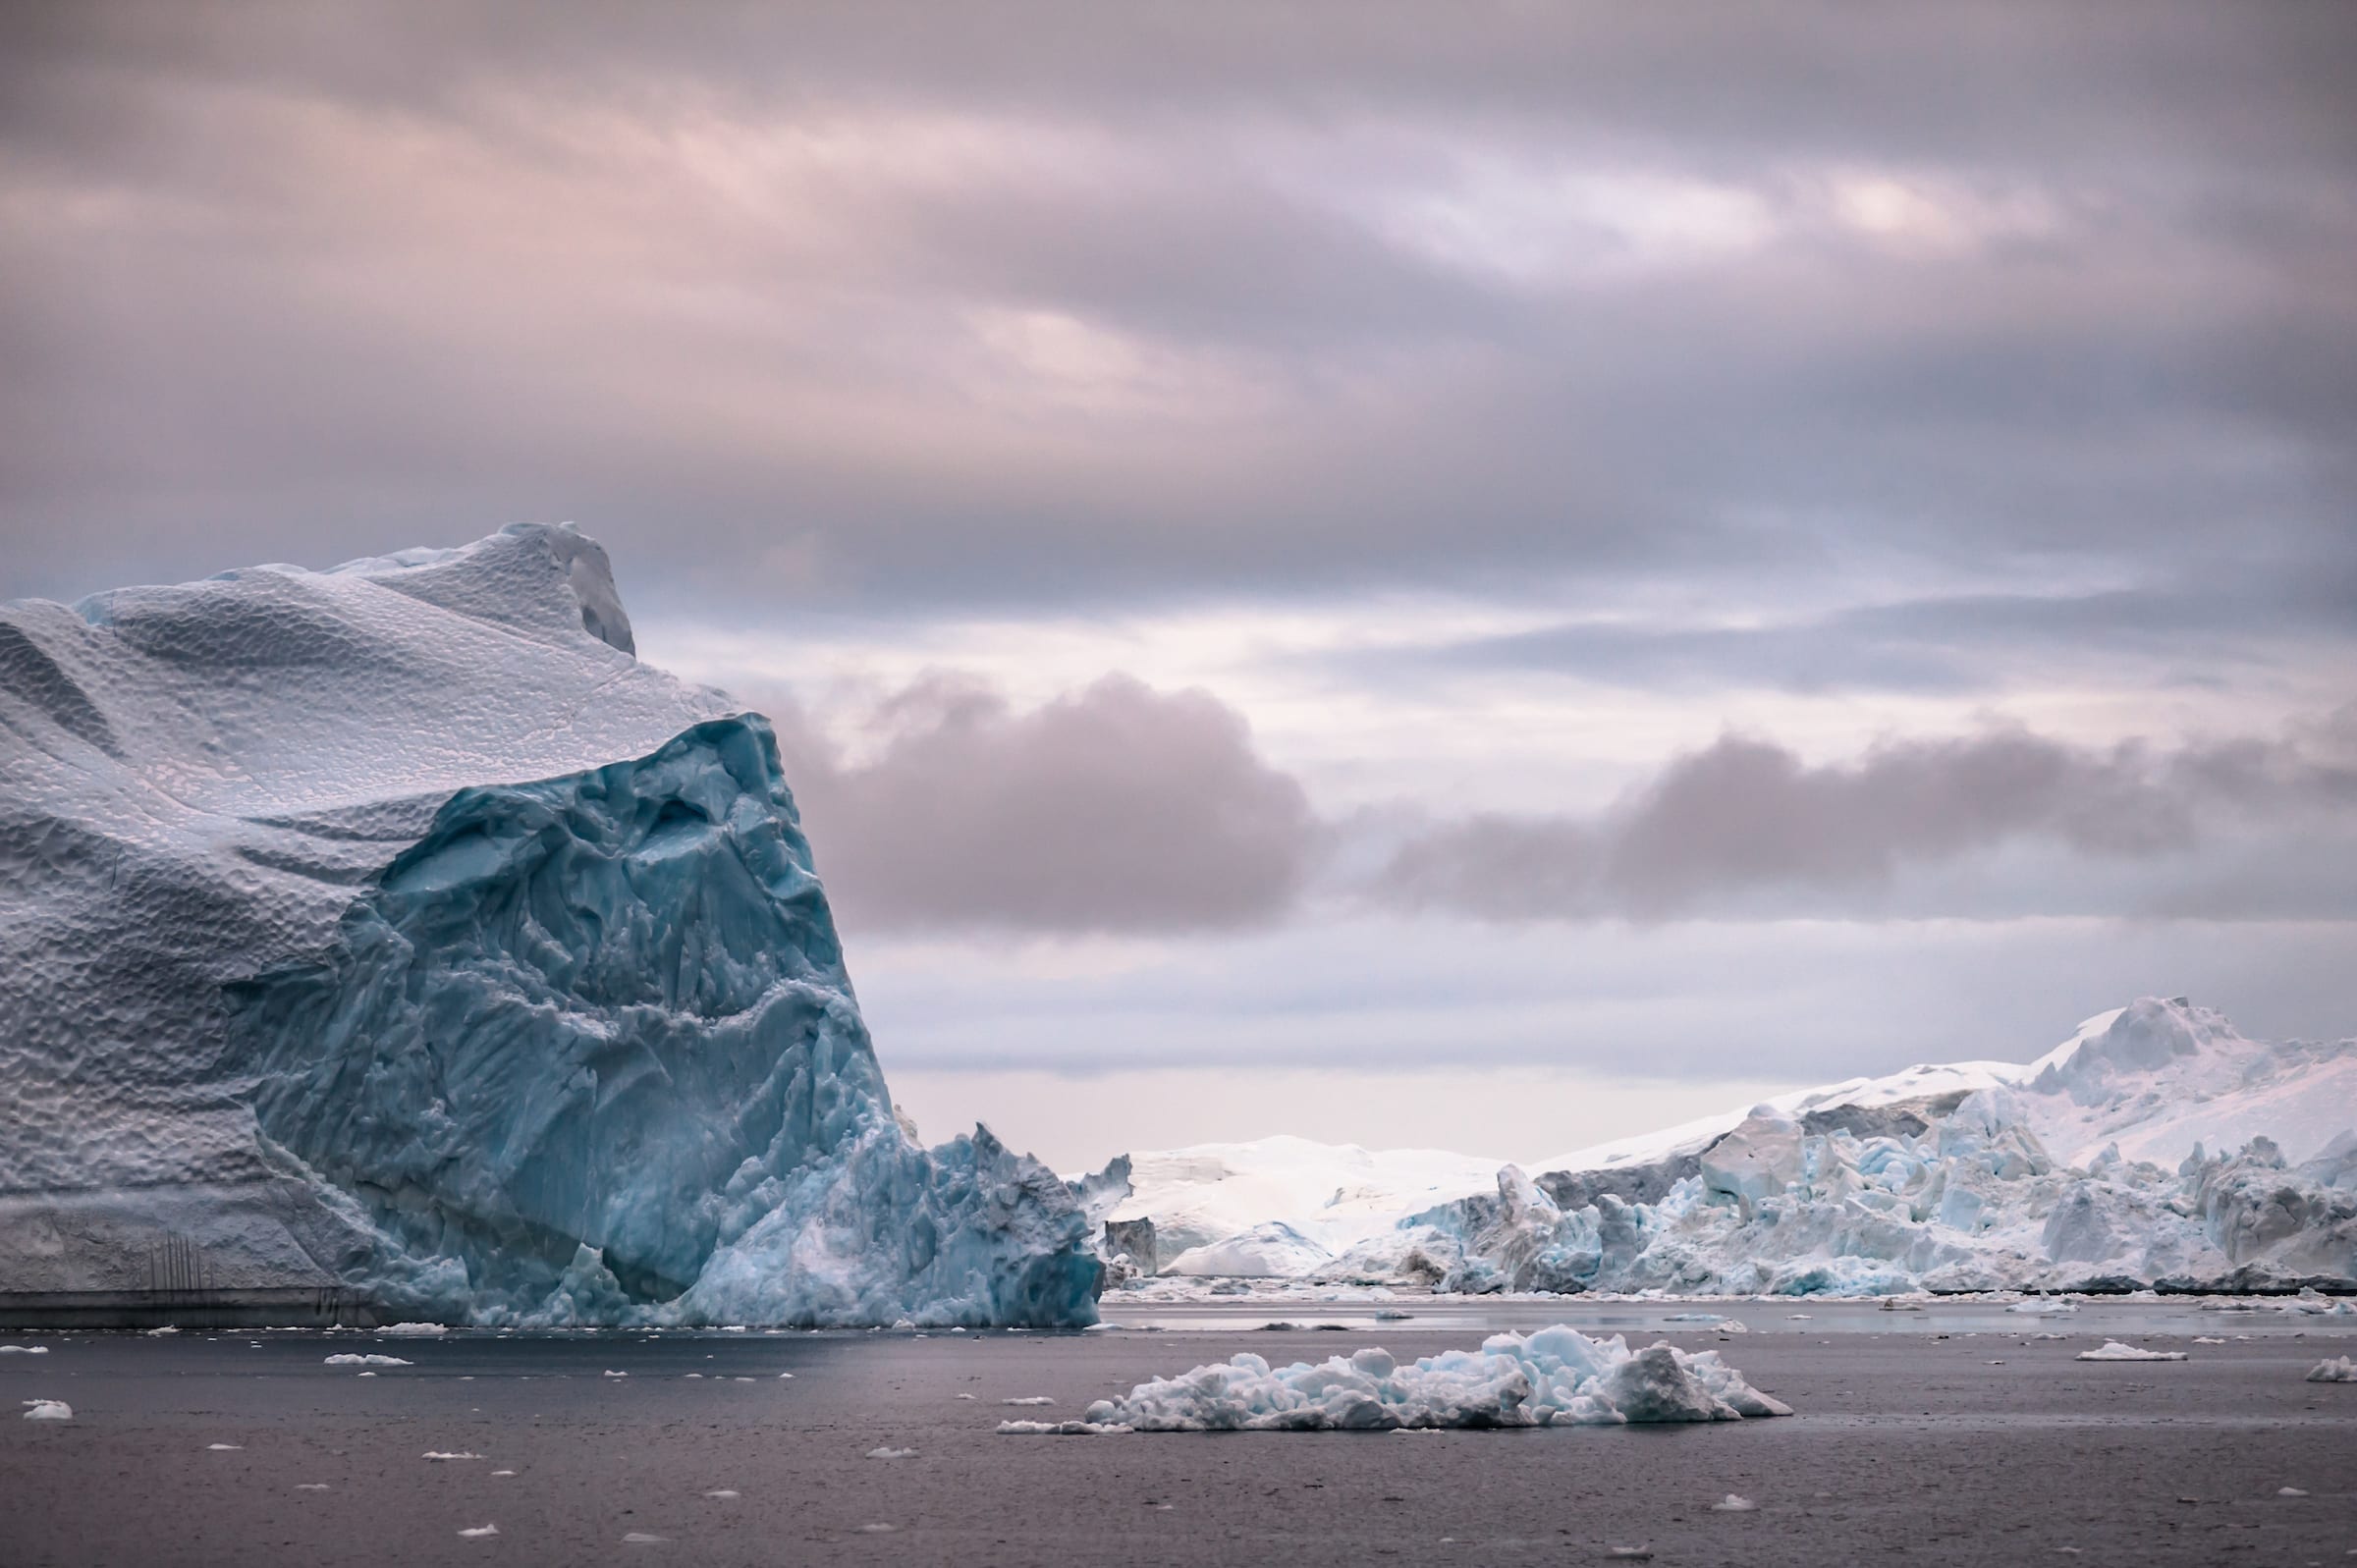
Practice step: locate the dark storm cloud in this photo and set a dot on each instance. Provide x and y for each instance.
(1117, 808)
(1745, 817)
(942, 304)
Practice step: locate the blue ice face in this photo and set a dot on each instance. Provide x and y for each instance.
(609, 1011)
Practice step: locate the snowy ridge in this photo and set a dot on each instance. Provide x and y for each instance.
(391, 927)
(2156, 1147)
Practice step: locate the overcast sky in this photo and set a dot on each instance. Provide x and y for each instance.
(1446, 573)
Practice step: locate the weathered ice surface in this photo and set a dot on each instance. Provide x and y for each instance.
(392, 928)
(2156, 1147)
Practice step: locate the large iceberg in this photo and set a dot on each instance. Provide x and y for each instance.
(2156, 1147)
(392, 930)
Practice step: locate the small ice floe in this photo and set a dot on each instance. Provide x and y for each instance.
(892, 1453)
(2207, 1339)
(783, 1375)
(1553, 1376)
(965, 1396)
(441, 1457)
(2044, 1309)
(877, 1530)
(1062, 1428)
(158, 1334)
(1694, 1317)
(956, 1330)
(740, 1380)
(1732, 1505)
(2341, 1369)
(478, 1532)
(2292, 1492)
(610, 1372)
(48, 1410)
(1799, 1317)
(422, 1331)
(502, 1472)
(724, 1494)
(1893, 1304)
(310, 1486)
(693, 1374)
(2049, 1336)
(367, 1373)
(639, 1538)
(23, 1350)
(1029, 1399)
(2114, 1350)
(900, 1326)
(349, 1360)
(224, 1447)
(1629, 1554)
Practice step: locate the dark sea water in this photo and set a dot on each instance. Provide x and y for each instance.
(1945, 1436)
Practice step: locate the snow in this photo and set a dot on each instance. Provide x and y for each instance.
(519, 999)
(2114, 1350)
(2085, 1166)
(2342, 1369)
(1555, 1376)
(48, 1410)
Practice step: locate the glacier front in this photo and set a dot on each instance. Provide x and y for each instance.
(392, 932)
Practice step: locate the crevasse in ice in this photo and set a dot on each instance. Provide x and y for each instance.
(394, 927)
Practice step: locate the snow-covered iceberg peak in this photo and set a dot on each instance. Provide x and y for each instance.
(427, 945)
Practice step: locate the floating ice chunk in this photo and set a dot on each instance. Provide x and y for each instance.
(1732, 1505)
(502, 1472)
(1062, 1429)
(48, 1410)
(478, 1532)
(965, 1396)
(349, 1360)
(785, 1374)
(612, 1373)
(224, 1447)
(367, 1373)
(436, 1454)
(639, 1538)
(310, 1486)
(2044, 1309)
(2290, 1491)
(1554, 1376)
(2341, 1369)
(696, 1376)
(2114, 1350)
(724, 1494)
(892, 1453)
(23, 1350)
(1029, 1399)
(2207, 1339)
(877, 1530)
(158, 1334)
(422, 1331)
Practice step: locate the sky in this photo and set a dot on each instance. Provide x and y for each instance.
(1477, 576)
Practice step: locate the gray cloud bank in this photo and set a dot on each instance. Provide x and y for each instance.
(1120, 809)
(1040, 303)
(1115, 808)
(1745, 817)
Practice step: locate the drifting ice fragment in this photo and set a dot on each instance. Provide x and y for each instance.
(367, 1361)
(23, 1350)
(2290, 1491)
(1031, 1399)
(1555, 1376)
(892, 1453)
(418, 1330)
(611, 1374)
(724, 1494)
(1732, 1505)
(310, 1486)
(639, 1538)
(224, 1447)
(2341, 1369)
(2114, 1350)
(479, 1532)
(439, 1456)
(502, 1472)
(48, 1410)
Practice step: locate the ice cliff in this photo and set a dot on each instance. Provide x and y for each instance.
(2156, 1147)
(392, 928)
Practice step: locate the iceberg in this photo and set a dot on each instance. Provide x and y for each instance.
(393, 931)
(1554, 1377)
(2156, 1148)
